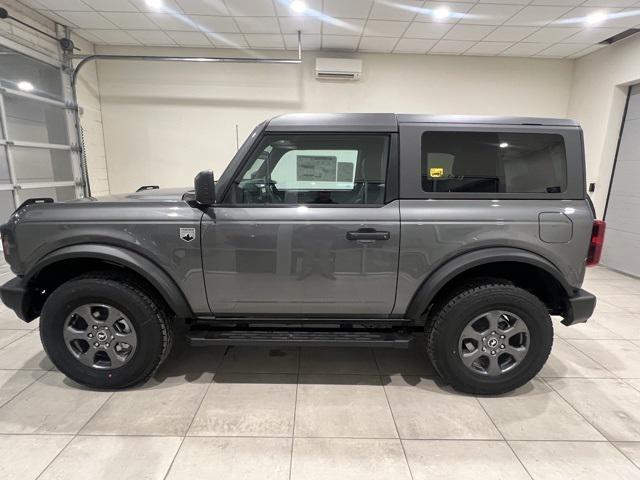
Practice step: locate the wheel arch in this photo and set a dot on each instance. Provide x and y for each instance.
(520, 267)
(67, 262)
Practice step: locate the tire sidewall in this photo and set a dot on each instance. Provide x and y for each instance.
(519, 302)
(75, 293)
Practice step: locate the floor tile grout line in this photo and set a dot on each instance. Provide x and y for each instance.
(195, 413)
(75, 435)
(306, 437)
(503, 437)
(610, 442)
(590, 358)
(43, 373)
(572, 407)
(596, 361)
(295, 411)
(96, 412)
(395, 424)
(27, 332)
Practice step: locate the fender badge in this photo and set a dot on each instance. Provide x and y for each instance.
(188, 234)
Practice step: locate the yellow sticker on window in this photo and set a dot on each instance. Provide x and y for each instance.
(436, 172)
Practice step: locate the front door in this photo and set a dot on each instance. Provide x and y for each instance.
(304, 230)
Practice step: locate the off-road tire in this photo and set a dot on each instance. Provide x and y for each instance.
(149, 318)
(452, 316)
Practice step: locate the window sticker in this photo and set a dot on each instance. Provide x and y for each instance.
(436, 172)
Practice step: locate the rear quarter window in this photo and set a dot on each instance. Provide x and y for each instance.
(493, 162)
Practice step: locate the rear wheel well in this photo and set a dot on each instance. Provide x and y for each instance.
(57, 273)
(523, 275)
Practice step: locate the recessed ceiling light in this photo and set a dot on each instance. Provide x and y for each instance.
(504, 145)
(298, 6)
(441, 13)
(595, 18)
(154, 3)
(25, 86)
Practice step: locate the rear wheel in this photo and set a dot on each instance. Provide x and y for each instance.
(104, 332)
(490, 339)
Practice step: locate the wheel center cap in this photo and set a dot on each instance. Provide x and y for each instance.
(492, 342)
(101, 336)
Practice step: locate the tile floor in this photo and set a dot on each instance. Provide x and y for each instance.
(288, 413)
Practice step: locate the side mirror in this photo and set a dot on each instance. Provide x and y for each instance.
(205, 188)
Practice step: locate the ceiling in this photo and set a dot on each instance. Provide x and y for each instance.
(521, 28)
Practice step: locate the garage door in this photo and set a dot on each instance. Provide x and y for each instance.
(622, 243)
(37, 133)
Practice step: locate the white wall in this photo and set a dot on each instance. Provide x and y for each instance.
(163, 122)
(598, 98)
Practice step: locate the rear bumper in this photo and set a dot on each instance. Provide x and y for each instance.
(14, 295)
(581, 307)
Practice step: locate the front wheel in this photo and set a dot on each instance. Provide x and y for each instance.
(104, 332)
(490, 339)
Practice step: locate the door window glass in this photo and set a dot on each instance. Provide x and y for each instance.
(314, 169)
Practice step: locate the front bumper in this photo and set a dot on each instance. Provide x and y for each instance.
(580, 308)
(15, 295)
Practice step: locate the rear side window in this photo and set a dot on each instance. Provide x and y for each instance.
(493, 162)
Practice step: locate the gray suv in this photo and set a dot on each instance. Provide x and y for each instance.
(325, 229)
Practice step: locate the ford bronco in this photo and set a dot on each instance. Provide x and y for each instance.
(325, 229)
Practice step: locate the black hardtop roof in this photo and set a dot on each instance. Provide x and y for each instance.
(388, 122)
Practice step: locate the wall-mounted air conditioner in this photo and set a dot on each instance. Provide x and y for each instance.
(338, 69)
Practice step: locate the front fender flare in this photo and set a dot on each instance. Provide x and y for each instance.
(146, 268)
(458, 265)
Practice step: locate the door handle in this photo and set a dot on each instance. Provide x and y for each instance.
(369, 234)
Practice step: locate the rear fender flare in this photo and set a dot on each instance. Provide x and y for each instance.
(458, 265)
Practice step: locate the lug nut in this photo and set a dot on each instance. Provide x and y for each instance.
(484, 349)
(95, 327)
(106, 345)
(96, 344)
(501, 336)
(493, 333)
(493, 352)
(501, 346)
(90, 335)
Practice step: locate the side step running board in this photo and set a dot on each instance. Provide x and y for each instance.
(300, 338)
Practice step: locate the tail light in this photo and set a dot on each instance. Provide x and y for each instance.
(597, 241)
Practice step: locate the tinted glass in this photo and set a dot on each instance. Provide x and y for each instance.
(493, 162)
(41, 165)
(314, 169)
(18, 72)
(33, 121)
(59, 194)
(4, 166)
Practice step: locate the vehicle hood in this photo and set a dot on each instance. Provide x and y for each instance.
(155, 195)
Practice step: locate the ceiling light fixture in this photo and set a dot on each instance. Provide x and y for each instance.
(155, 4)
(441, 13)
(595, 18)
(25, 86)
(504, 145)
(298, 6)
